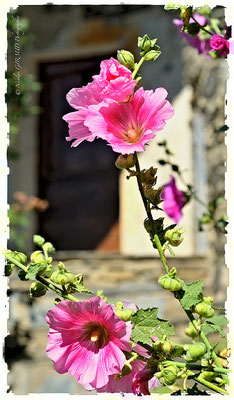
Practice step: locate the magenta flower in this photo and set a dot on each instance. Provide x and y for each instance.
(202, 45)
(174, 200)
(218, 43)
(128, 127)
(87, 340)
(141, 382)
(115, 81)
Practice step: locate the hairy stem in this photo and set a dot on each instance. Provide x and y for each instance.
(39, 278)
(138, 67)
(202, 27)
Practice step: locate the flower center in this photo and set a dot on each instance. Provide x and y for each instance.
(96, 333)
(133, 135)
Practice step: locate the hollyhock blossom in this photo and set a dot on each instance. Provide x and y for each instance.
(87, 340)
(115, 81)
(128, 127)
(141, 382)
(202, 45)
(218, 43)
(174, 200)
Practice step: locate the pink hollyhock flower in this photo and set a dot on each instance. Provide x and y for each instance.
(218, 43)
(128, 127)
(202, 45)
(115, 81)
(174, 200)
(141, 382)
(87, 340)
(81, 99)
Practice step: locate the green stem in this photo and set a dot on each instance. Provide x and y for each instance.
(197, 367)
(211, 385)
(39, 278)
(138, 67)
(161, 253)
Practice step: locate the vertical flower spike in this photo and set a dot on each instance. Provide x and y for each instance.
(87, 340)
(174, 200)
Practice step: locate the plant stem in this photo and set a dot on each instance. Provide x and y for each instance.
(211, 385)
(138, 67)
(164, 261)
(39, 278)
(199, 367)
(202, 27)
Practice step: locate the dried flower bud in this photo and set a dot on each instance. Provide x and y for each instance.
(125, 161)
(148, 176)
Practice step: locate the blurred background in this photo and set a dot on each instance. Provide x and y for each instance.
(76, 198)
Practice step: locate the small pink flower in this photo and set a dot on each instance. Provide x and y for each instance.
(87, 340)
(219, 44)
(128, 127)
(174, 200)
(141, 382)
(115, 81)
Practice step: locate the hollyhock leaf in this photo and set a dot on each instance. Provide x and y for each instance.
(34, 269)
(147, 324)
(78, 287)
(192, 294)
(210, 327)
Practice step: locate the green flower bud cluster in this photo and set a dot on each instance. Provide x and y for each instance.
(168, 374)
(126, 59)
(204, 308)
(194, 352)
(125, 161)
(150, 51)
(20, 257)
(170, 281)
(123, 313)
(164, 345)
(37, 289)
(62, 276)
(174, 236)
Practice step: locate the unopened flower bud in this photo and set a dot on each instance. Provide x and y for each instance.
(194, 351)
(174, 236)
(152, 55)
(123, 313)
(21, 257)
(191, 331)
(48, 247)
(125, 161)
(170, 281)
(37, 289)
(144, 43)
(37, 257)
(9, 269)
(168, 375)
(62, 276)
(38, 240)
(204, 308)
(126, 58)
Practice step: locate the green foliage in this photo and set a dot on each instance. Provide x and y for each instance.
(158, 229)
(34, 269)
(192, 294)
(146, 324)
(214, 324)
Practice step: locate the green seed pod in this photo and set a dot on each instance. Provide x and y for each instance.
(37, 289)
(62, 276)
(194, 352)
(174, 236)
(148, 176)
(37, 257)
(126, 58)
(170, 283)
(21, 257)
(145, 43)
(125, 161)
(22, 275)
(152, 55)
(204, 308)
(9, 269)
(38, 240)
(168, 375)
(191, 331)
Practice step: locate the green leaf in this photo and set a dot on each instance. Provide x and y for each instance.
(82, 289)
(146, 324)
(33, 270)
(192, 294)
(210, 327)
